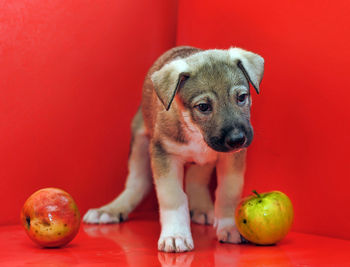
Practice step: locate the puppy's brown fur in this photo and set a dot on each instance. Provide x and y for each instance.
(195, 109)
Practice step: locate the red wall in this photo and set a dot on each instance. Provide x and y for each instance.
(301, 118)
(71, 74)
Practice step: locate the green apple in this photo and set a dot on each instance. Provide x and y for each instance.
(266, 218)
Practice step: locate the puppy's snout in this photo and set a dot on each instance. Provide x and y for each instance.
(235, 140)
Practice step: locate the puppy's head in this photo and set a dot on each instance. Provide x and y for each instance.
(212, 88)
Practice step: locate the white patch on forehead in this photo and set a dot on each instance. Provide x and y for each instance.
(202, 57)
(196, 150)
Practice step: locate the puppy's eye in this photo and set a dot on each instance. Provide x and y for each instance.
(204, 107)
(241, 99)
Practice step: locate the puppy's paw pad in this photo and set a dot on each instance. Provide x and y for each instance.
(202, 217)
(175, 244)
(229, 235)
(98, 216)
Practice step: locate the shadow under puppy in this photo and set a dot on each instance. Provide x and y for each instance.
(195, 111)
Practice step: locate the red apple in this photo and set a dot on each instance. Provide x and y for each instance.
(50, 217)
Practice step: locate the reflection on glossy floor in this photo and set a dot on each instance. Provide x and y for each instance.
(133, 243)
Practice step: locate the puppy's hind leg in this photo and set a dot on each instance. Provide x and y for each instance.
(200, 202)
(138, 183)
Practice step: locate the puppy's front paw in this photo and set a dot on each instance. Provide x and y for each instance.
(229, 236)
(226, 231)
(175, 244)
(100, 216)
(202, 217)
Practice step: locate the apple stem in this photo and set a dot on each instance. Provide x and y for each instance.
(256, 193)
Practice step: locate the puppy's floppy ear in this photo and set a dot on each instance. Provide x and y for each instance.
(252, 65)
(169, 79)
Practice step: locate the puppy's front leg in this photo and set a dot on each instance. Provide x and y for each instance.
(230, 174)
(168, 173)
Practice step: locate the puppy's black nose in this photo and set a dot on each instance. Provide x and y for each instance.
(235, 140)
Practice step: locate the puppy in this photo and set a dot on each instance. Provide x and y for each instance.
(194, 118)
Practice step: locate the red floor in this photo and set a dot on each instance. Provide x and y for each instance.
(133, 243)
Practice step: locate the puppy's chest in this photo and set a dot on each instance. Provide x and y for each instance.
(195, 151)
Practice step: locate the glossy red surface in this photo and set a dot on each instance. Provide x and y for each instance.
(133, 243)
